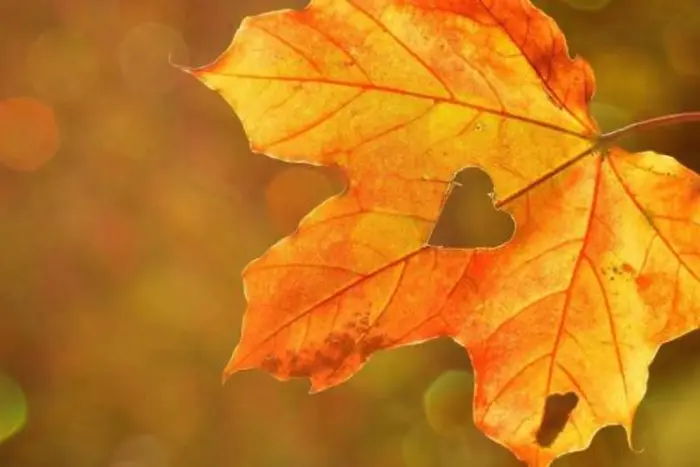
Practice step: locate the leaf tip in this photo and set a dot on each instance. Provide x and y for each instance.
(317, 385)
(225, 376)
(233, 366)
(202, 73)
(227, 373)
(630, 443)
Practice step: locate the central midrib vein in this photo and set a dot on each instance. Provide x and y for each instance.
(417, 95)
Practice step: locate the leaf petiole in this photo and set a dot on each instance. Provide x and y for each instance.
(650, 124)
(604, 141)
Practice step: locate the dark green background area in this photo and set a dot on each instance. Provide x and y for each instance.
(120, 259)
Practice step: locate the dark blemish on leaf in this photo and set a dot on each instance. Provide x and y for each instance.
(556, 413)
(335, 350)
(469, 218)
(338, 347)
(340, 343)
(270, 363)
(300, 365)
(322, 360)
(361, 324)
(369, 346)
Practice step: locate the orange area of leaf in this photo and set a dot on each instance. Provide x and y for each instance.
(401, 95)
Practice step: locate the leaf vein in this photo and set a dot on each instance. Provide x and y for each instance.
(417, 95)
(289, 45)
(383, 27)
(508, 384)
(613, 327)
(661, 237)
(545, 82)
(337, 293)
(578, 387)
(313, 124)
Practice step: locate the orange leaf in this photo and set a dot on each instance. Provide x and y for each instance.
(402, 95)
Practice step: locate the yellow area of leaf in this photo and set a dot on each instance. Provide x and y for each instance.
(401, 95)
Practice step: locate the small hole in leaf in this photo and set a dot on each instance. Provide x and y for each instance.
(469, 219)
(556, 413)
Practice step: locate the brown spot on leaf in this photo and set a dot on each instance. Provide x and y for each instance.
(369, 346)
(335, 350)
(340, 344)
(300, 364)
(322, 360)
(271, 363)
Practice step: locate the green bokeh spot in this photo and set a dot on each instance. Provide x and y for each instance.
(13, 407)
(448, 402)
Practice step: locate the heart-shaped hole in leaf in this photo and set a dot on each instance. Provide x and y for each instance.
(469, 218)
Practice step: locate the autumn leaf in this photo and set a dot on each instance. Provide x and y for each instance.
(403, 94)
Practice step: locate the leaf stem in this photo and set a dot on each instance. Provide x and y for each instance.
(605, 140)
(649, 124)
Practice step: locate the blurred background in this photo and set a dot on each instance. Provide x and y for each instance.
(130, 202)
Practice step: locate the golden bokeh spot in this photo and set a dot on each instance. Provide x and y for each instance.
(29, 133)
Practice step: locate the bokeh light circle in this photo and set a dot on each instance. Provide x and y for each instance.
(29, 133)
(447, 402)
(13, 407)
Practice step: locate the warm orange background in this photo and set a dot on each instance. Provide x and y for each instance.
(129, 203)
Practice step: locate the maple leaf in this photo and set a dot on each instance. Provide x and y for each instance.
(402, 95)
